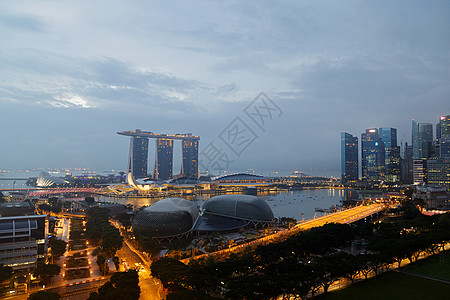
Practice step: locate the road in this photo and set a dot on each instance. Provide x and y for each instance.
(151, 289)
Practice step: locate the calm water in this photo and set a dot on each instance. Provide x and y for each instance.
(288, 204)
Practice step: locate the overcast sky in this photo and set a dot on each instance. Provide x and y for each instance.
(73, 73)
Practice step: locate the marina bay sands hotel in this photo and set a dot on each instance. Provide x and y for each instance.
(138, 156)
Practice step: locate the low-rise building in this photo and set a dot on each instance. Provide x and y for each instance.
(23, 241)
(434, 198)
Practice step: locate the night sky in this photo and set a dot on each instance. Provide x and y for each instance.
(73, 73)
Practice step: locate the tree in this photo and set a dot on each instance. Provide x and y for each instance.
(330, 268)
(122, 285)
(89, 200)
(43, 295)
(45, 207)
(188, 294)
(98, 220)
(46, 272)
(5, 272)
(2, 197)
(147, 244)
(252, 287)
(58, 247)
(408, 193)
(171, 272)
(55, 203)
(103, 266)
(111, 241)
(124, 219)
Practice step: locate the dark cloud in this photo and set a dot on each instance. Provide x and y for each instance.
(73, 75)
(21, 21)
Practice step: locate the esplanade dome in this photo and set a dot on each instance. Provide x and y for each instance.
(244, 207)
(167, 217)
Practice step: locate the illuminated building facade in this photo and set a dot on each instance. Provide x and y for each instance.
(438, 172)
(422, 140)
(443, 127)
(164, 159)
(349, 158)
(23, 241)
(420, 171)
(407, 165)
(190, 158)
(392, 153)
(443, 137)
(373, 156)
(138, 157)
(444, 146)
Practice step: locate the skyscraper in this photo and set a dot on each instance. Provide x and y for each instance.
(415, 140)
(373, 156)
(392, 153)
(138, 157)
(444, 146)
(443, 127)
(164, 159)
(349, 157)
(420, 171)
(190, 158)
(422, 140)
(407, 165)
(438, 172)
(443, 137)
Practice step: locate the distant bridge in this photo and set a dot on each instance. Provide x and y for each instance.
(48, 192)
(36, 192)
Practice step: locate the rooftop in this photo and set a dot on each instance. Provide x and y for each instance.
(149, 134)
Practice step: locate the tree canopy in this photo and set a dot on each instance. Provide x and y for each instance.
(44, 295)
(46, 272)
(122, 285)
(5, 272)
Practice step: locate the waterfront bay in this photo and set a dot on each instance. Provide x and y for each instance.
(283, 204)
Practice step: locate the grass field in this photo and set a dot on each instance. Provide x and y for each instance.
(392, 285)
(436, 266)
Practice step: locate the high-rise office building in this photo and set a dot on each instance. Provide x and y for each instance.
(164, 159)
(138, 157)
(407, 165)
(444, 146)
(420, 171)
(349, 157)
(443, 137)
(438, 172)
(392, 153)
(415, 139)
(373, 156)
(422, 140)
(443, 127)
(190, 158)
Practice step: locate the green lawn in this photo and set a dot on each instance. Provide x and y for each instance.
(436, 266)
(392, 285)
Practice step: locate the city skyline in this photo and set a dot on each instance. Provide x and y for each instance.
(71, 76)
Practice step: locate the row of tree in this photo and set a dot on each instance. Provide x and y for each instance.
(306, 262)
(101, 233)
